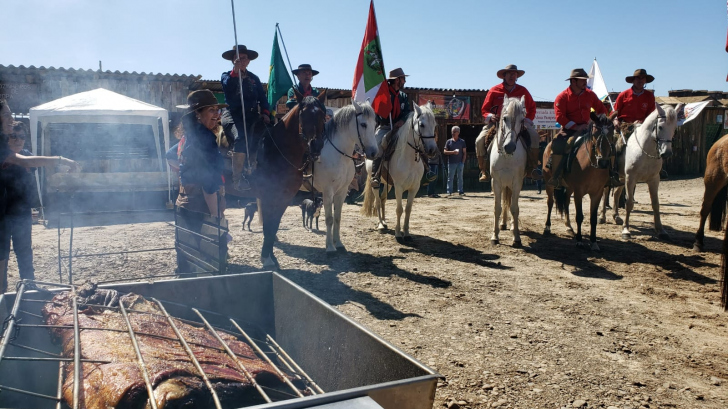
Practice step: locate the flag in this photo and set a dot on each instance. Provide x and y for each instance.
(369, 79)
(596, 83)
(726, 39)
(279, 82)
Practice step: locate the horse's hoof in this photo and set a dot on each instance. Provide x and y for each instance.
(382, 229)
(330, 253)
(697, 247)
(595, 247)
(618, 221)
(570, 231)
(663, 236)
(503, 227)
(270, 263)
(626, 236)
(494, 242)
(517, 244)
(399, 239)
(547, 231)
(602, 220)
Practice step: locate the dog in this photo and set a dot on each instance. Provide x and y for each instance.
(250, 210)
(309, 210)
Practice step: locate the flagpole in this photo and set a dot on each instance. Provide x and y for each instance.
(286, 51)
(240, 86)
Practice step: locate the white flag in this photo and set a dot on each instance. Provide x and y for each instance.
(596, 83)
(690, 112)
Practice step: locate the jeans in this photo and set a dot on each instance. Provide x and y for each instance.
(453, 168)
(431, 185)
(19, 229)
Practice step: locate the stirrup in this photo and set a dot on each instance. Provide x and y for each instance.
(242, 185)
(554, 182)
(431, 176)
(375, 183)
(536, 174)
(484, 177)
(614, 181)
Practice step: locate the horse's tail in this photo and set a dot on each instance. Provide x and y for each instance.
(507, 193)
(724, 273)
(717, 210)
(260, 214)
(367, 207)
(562, 201)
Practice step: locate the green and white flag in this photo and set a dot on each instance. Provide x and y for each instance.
(279, 82)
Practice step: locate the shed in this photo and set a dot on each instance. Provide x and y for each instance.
(109, 135)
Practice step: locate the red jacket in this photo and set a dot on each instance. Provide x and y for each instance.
(572, 109)
(632, 107)
(493, 103)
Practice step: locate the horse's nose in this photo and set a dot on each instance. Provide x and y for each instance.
(510, 148)
(431, 152)
(372, 152)
(666, 154)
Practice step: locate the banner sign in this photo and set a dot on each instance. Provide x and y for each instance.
(690, 112)
(545, 119)
(455, 107)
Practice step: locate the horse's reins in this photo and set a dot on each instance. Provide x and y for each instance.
(358, 134)
(501, 136)
(416, 146)
(596, 145)
(655, 138)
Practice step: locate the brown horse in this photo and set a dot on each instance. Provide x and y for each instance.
(589, 173)
(281, 164)
(714, 204)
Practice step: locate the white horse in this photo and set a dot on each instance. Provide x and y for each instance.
(351, 125)
(508, 165)
(404, 170)
(648, 145)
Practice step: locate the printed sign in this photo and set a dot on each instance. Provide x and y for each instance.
(545, 119)
(455, 107)
(690, 112)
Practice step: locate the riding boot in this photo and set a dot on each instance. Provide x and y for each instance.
(613, 174)
(532, 164)
(557, 162)
(483, 164)
(240, 183)
(376, 165)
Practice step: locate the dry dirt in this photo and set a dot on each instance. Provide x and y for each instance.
(546, 326)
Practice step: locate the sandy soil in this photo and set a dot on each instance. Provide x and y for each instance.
(545, 326)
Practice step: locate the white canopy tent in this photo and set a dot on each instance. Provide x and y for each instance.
(99, 106)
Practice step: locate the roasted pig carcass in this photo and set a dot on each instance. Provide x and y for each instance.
(117, 380)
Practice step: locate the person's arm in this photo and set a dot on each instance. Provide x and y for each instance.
(231, 88)
(598, 105)
(404, 99)
(262, 100)
(487, 106)
(291, 99)
(530, 107)
(447, 150)
(40, 161)
(560, 111)
(465, 154)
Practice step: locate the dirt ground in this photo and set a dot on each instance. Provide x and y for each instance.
(545, 326)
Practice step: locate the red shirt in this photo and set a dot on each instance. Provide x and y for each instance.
(633, 107)
(495, 96)
(572, 109)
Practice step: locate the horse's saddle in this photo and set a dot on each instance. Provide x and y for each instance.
(392, 135)
(573, 151)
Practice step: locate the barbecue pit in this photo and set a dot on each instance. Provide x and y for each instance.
(340, 362)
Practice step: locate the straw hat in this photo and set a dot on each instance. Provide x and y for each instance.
(200, 99)
(510, 67)
(302, 67)
(638, 73)
(578, 73)
(230, 54)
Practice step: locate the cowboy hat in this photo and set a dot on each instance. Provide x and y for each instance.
(396, 73)
(510, 67)
(578, 73)
(200, 99)
(638, 73)
(230, 54)
(302, 67)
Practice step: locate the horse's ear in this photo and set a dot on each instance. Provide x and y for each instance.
(299, 96)
(679, 108)
(322, 96)
(523, 100)
(418, 110)
(594, 117)
(660, 110)
(357, 107)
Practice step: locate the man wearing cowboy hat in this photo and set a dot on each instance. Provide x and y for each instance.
(305, 75)
(491, 109)
(400, 109)
(254, 98)
(636, 103)
(573, 108)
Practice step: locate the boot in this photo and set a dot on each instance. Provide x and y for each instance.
(483, 164)
(557, 169)
(532, 164)
(375, 172)
(614, 174)
(240, 183)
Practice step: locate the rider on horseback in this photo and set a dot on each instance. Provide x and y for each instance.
(491, 109)
(234, 121)
(573, 107)
(305, 75)
(400, 109)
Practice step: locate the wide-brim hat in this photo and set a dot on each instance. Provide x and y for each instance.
(578, 74)
(230, 54)
(304, 67)
(396, 73)
(200, 99)
(638, 73)
(510, 67)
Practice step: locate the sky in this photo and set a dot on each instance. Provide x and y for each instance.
(441, 44)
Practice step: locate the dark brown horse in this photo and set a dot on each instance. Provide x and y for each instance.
(589, 173)
(281, 164)
(714, 204)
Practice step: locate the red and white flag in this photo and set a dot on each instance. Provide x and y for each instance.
(369, 79)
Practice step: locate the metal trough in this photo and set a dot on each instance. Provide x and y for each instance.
(348, 365)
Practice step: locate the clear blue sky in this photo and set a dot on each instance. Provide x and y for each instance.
(442, 44)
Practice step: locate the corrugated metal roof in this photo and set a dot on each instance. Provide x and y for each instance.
(723, 102)
(683, 100)
(22, 70)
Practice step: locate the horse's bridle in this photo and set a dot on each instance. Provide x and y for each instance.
(416, 146)
(500, 138)
(596, 146)
(358, 134)
(654, 138)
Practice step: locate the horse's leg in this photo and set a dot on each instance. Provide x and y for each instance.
(629, 184)
(515, 192)
(338, 204)
(605, 197)
(578, 199)
(408, 210)
(271, 221)
(567, 216)
(497, 208)
(379, 205)
(398, 195)
(615, 209)
(714, 182)
(594, 200)
(329, 217)
(653, 186)
(550, 205)
(504, 222)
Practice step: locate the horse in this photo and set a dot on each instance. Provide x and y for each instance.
(281, 164)
(351, 125)
(646, 148)
(588, 175)
(403, 170)
(507, 165)
(714, 204)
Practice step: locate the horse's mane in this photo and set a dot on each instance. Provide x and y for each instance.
(343, 117)
(512, 106)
